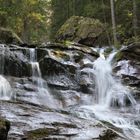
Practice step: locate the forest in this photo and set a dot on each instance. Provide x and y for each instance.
(39, 20)
(69, 69)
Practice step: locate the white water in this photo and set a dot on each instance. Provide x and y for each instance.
(110, 91)
(44, 96)
(5, 89)
(112, 100)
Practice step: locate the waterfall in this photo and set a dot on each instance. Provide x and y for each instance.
(114, 102)
(35, 69)
(5, 89)
(110, 92)
(44, 96)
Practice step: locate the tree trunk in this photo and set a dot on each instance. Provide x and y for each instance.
(68, 9)
(135, 22)
(73, 7)
(25, 32)
(113, 22)
(105, 21)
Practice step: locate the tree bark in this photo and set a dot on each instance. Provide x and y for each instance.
(25, 32)
(113, 22)
(105, 21)
(73, 7)
(135, 22)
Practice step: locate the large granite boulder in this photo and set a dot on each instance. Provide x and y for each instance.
(9, 37)
(81, 30)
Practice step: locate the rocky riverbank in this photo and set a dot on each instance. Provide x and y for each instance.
(67, 75)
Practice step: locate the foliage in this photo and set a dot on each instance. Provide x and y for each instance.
(99, 9)
(39, 20)
(28, 18)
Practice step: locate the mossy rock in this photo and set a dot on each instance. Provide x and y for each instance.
(9, 37)
(4, 128)
(61, 55)
(39, 134)
(119, 56)
(108, 51)
(108, 135)
(131, 52)
(81, 30)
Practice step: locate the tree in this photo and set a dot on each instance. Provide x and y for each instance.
(135, 22)
(28, 18)
(113, 22)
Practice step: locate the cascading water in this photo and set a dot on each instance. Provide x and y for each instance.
(5, 88)
(112, 101)
(35, 69)
(110, 92)
(44, 95)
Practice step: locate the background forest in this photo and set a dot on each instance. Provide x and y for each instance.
(39, 20)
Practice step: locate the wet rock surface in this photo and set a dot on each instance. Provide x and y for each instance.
(128, 66)
(32, 117)
(68, 80)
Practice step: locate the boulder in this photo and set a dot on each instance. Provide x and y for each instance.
(128, 66)
(61, 66)
(40, 134)
(81, 30)
(14, 61)
(9, 37)
(4, 128)
(131, 52)
(71, 46)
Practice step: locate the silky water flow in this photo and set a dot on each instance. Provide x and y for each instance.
(114, 102)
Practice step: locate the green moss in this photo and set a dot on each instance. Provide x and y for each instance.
(77, 28)
(4, 128)
(40, 133)
(62, 55)
(67, 42)
(4, 124)
(8, 36)
(78, 57)
(64, 125)
(118, 56)
(108, 135)
(108, 50)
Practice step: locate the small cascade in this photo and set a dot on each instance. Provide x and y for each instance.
(114, 102)
(110, 91)
(5, 89)
(35, 69)
(44, 95)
